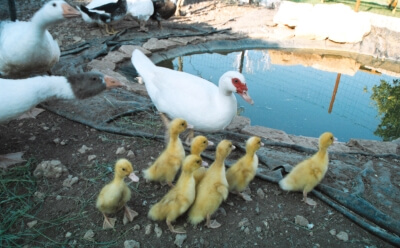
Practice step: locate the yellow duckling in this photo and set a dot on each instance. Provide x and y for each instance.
(308, 173)
(212, 189)
(243, 171)
(180, 197)
(168, 163)
(199, 144)
(116, 194)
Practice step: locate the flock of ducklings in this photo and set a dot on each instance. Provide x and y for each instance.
(199, 190)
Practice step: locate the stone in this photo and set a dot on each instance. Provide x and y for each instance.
(373, 146)
(155, 44)
(31, 224)
(148, 229)
(158, 231)
(268, 133)
(128, 50)
(179, 239)
(50, 169)
(68, 182)
(100, 65)
(115, 57)
(244, 222)
(238, 123)
(68, 235)
(332, 232)
(91, 157)
(342, 236)
(89, 235)
(131, 244)
(260, 193)
(130, 154)
(291, 13)
(83, 149)
(120, 150)
(301, 221)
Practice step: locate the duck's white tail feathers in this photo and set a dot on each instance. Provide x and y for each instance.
(143, 65)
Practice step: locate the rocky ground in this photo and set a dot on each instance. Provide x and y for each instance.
(57, 208)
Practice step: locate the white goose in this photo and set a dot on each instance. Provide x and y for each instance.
(27, 48)
(20, 95)
(181, 95)
(141, 10)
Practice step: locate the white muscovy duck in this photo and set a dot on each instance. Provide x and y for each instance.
(20, 95)
(104, 12)
(204, 105)
(27, 48)
(140, 10)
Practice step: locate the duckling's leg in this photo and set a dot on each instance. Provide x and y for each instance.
(212, 223)
(189, 137)
(129, 215)
(172, 229)
(108, 222)
(309, 201)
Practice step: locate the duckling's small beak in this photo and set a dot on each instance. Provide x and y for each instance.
(262, 144)
(133, 177)
(233, 147)
(204, 163)
(210, 143)
(112, 82)
(335, 140)
(69, 11)
(189, 126)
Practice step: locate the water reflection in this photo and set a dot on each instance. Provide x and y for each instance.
(295, 91)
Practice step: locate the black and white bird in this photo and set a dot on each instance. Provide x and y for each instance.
(104, 13)
(163, 10)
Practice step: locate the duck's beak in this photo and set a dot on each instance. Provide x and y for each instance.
(133, 177)
(112, 82)
(210, 143)
(246, 97)
(204, 163)
(69, 11)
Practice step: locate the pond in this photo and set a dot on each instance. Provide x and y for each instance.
(305, 93)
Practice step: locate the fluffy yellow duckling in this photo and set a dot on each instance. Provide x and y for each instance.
(168, 163)
(212, 189)
(243, 171)
(308, 173)
(199, 144)
(116, 194)
(180, 197)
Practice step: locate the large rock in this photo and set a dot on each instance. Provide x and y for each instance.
(291, 13)
(268, 133)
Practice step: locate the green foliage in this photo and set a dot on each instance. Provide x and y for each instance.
(387, 99)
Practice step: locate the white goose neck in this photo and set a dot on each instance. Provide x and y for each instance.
(43, 21)
(54, 86)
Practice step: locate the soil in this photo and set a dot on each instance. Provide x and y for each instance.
(65, 214)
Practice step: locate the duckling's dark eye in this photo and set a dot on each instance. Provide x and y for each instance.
(123, 169)
(204, 141)
(198, 161)
(54, 5)
(183, 124)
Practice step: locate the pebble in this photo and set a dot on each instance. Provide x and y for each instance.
(179, 239)
(31, 224)
(260, 193)
(68, 234)
(265, 222)
(332, 232)
(83, 149)
(58, 197)
(222, 211)
(158, 231)
(300, 220)
(39, 195)
(244, 222)
(32, 138)
(89, 235)
(120, 150)
(247, 230)
(342, 236)
(70, 181)
(77, 38)
(136, 227)
(91, 157)
(258, 229)
(56, 140)
(130, 154)
(147, 229)
(131, 244)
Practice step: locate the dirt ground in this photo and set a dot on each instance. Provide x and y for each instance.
(50, 212)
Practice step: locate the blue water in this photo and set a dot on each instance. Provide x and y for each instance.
(296, 98)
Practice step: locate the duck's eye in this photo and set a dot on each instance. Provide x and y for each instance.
(54, 5)
(94, 78)
(198, 161)
(204, 141)
(183, 124)
(123, 169)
